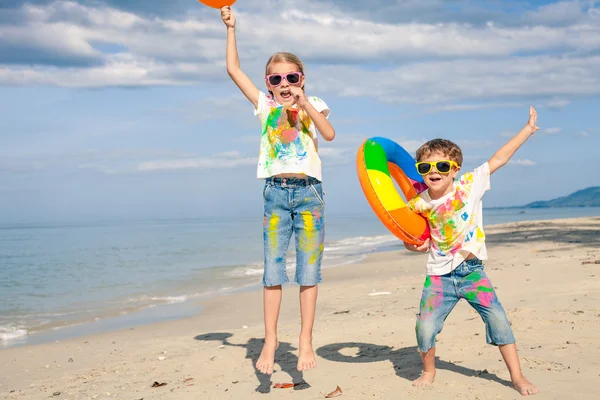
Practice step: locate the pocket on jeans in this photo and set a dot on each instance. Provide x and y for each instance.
(475, 267)
(266, 190)
(318, 192)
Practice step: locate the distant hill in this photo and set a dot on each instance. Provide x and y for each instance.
(589, 197)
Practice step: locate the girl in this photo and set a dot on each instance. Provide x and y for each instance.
(293, 197)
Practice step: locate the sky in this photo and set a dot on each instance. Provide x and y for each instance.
(123, 109)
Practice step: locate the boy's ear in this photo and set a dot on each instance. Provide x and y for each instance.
(456, 170)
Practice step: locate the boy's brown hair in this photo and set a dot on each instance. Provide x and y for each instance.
(446, 147)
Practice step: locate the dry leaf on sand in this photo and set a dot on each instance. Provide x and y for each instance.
(336, 393)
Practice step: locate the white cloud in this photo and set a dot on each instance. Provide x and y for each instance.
(17, 165)
(247, 139)
(470, 79)
(470, 107)
(411, 145)
(521, 163)
(213, 108)
(475, 144)
(224, 160)
(552, 131)
(464, 62)
(99, 168)
(557, 103)
(112, 161)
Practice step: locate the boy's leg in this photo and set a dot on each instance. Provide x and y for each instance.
(310, 236)
(477, 289)
(277, 232)
(438, 299)
(511, 358)
(428, 375)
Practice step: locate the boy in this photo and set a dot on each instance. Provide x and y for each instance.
(456, 250)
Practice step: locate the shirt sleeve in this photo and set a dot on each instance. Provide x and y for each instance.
(479, 180)
(262, 106)
(319, 105)
(415, 204)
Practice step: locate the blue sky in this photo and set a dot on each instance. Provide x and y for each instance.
(124, 109)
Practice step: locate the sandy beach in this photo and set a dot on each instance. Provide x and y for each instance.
(545, 274)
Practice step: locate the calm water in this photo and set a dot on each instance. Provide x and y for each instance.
(93, 277)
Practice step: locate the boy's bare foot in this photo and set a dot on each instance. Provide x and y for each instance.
(425, 379)
(267, 356)
(306, 359)
(524, 387)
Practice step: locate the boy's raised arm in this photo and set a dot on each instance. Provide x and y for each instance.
(501, 157)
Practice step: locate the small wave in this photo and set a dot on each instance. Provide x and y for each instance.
(245, 271)
(170, 299)
(360, 241)
(161, 299)
(10, 334)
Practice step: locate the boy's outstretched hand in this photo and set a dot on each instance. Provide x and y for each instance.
(532, 123)
(228, 17)
(424, 248)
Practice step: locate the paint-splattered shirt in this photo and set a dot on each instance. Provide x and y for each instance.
(455, 221)
(289, 138)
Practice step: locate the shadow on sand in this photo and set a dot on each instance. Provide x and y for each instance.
(287, 360)
(406, 361)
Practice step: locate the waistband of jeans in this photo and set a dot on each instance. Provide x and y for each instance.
(292, 181)
(473, 261)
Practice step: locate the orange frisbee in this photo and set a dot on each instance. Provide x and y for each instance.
(217, 3)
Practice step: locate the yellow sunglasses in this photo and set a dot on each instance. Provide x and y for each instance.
(441, 166)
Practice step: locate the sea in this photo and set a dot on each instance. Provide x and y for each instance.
(59, 281)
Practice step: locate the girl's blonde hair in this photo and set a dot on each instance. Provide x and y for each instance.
(282, 56)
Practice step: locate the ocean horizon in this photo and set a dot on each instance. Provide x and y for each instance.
(63, 280)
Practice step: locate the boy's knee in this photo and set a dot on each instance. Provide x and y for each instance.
(426, 331)
(499, 330)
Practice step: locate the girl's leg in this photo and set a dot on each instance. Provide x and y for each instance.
(309, 229)
(277, 233)
(477, 289)
(438, 299)
(308, 306)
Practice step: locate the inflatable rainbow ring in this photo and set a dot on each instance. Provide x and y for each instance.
(378, 161)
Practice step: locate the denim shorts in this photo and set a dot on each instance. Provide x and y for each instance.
(293, 205)
(441, 293)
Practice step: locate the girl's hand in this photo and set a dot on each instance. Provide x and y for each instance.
(424, 248)
(532, 123)
(299, 96)
(228, 17)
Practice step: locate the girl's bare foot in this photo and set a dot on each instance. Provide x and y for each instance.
(425, 379)
(267, 356)
(524, 387)
(306, 359)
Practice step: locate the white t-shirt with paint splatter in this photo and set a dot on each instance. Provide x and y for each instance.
(289, 138)
(455, 221)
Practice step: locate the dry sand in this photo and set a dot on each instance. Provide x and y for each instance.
(365, 343)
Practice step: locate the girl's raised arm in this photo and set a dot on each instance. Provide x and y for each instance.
(233, 61)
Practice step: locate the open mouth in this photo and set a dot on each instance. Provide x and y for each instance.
(435, 180)
(285, 94)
